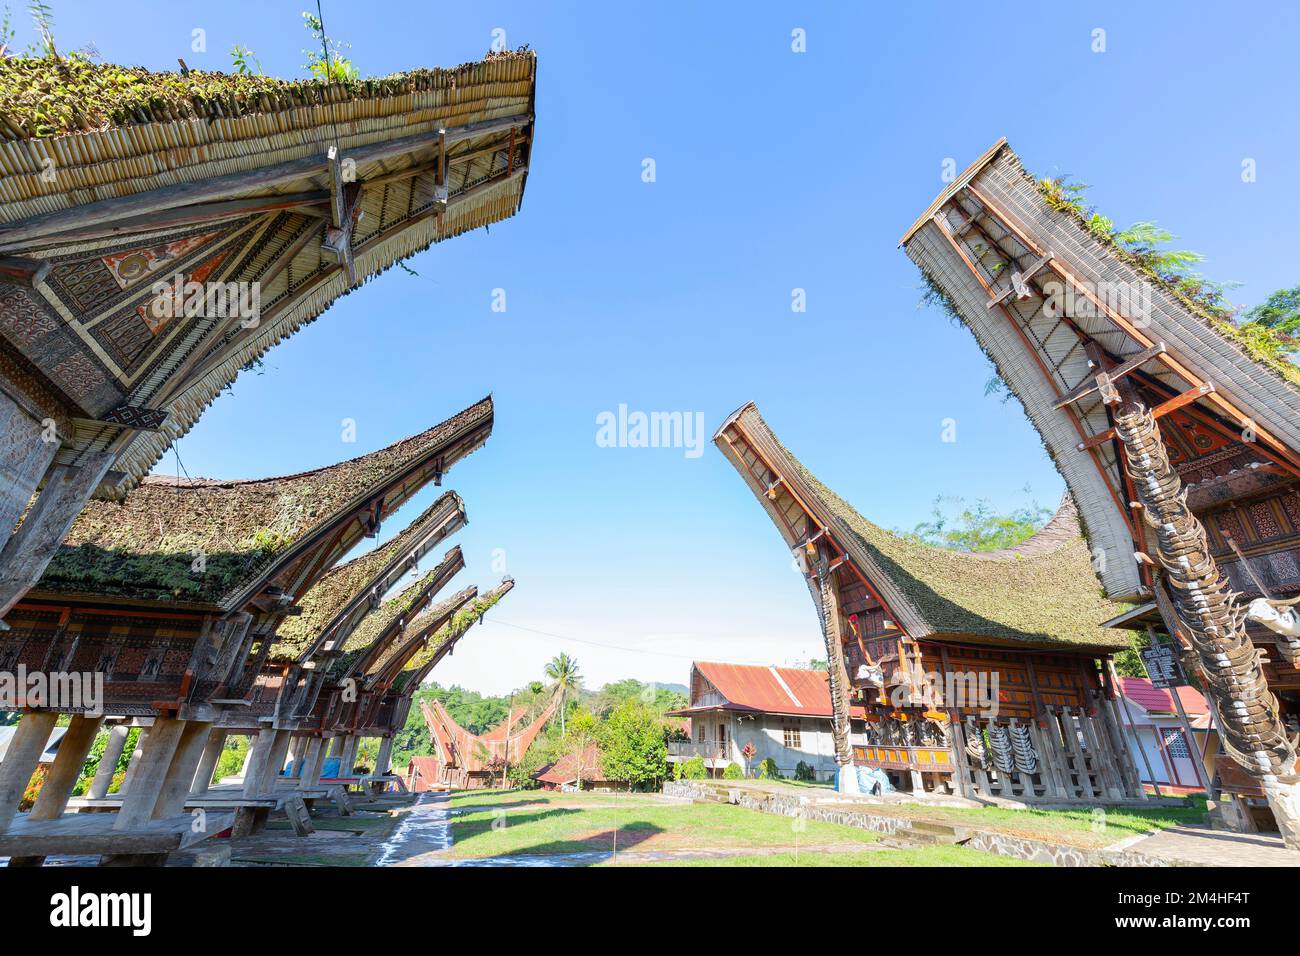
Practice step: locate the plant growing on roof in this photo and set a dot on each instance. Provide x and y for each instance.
(244, 60)
(326, 64)
(43, 21)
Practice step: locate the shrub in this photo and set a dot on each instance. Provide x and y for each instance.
(768, 770)
(733, 772)
(694, 769)
(804, 771)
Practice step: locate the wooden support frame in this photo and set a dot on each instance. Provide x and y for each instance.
(1290, 459)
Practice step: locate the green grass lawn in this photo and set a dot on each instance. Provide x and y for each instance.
(490, 824)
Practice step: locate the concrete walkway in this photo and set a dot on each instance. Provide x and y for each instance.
(1201, 846)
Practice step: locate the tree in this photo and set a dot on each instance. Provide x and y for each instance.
(979, 528)
(632, 746)
(565, 680)
(582, 735)
(1279, 312)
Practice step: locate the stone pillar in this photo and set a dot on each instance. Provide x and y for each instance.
(158, 749)
(66, 771)
(20, 760)
(313, 757)
(103, 778)
(385, 757)
(180, 775)
(208, 762)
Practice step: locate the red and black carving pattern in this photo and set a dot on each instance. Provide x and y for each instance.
(1264, 520)
(25, 321)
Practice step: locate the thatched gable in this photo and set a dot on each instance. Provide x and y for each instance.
(1042, 592)
(346, 590)
(248, 531)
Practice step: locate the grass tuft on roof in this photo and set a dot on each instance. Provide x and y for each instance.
(53, 96)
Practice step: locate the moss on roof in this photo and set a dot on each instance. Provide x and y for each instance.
(460, 622)
(145, 546)
(342, 583)
(452, 631)
(1043, 591)
(379, 620)
(51, 96)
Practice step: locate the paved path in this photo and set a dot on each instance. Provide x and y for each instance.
(1202, 846)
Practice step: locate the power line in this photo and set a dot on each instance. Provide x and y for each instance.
(616, 647)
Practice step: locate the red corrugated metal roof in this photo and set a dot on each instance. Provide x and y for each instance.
(771, 690)
(566, 769)
(1158, 700)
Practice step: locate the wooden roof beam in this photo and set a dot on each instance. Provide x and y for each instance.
(233, 185)
(1291, 459)
(1119, 371)
(1161, 410)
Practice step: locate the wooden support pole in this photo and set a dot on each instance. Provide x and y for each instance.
(212, 751)
(103, 778)
(159, 747)
(21, 759)
(180, 774)
(29, 550)
(313, 757)
(64, 773)
(385, 756)
(278, 749)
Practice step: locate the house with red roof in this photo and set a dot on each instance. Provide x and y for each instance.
(1156, 734)
(784, 712)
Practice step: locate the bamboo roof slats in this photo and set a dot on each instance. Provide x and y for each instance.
(443, 641)
(146, 546)
(1039, 593)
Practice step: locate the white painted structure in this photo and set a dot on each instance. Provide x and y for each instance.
(784, 712)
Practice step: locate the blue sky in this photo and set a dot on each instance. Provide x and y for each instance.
(775, 171)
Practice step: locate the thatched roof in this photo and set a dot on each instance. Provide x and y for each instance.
(227, 178)
(444, 638)
(385, 624)
(1041, 592)
(344, 593)
(247, 531)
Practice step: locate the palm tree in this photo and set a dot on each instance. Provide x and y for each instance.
(565, 679)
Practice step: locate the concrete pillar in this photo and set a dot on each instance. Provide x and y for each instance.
(313, 757)
(20, 760)
(180, 775)
(208, 762)
(385, 755)
(159, 747)
(103, 778)
(66, 770)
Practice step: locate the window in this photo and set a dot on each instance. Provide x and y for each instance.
(699, 734)
(793, 739)
(1176, 743)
